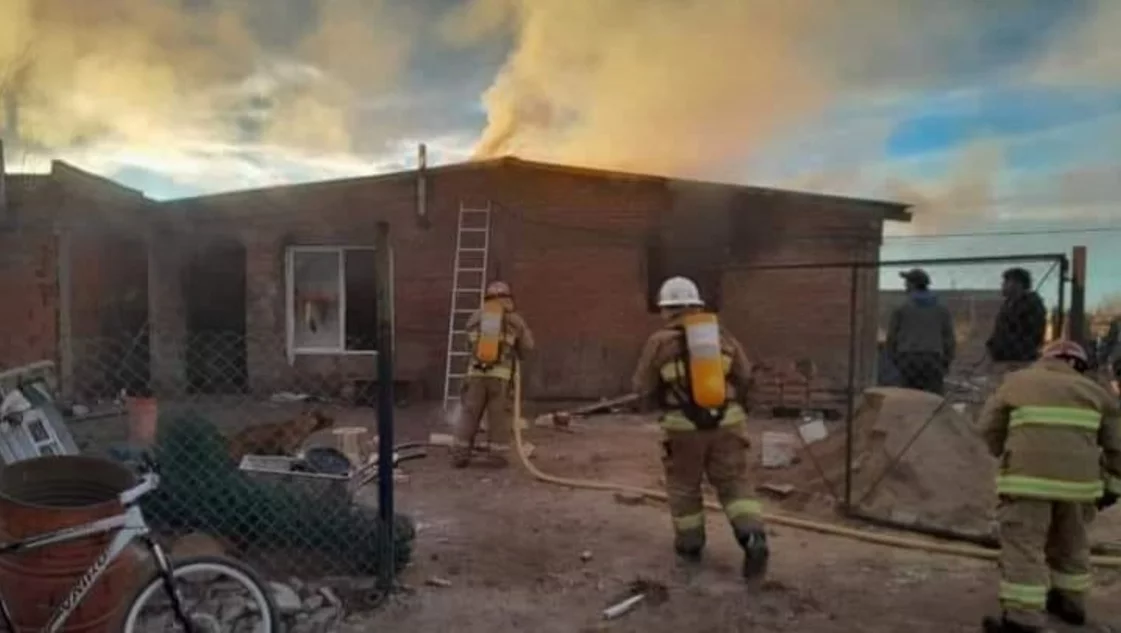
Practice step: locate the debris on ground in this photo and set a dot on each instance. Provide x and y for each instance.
(779, 449)
(586, 555)
(436, 581)
(286, 599)
(305, 608)
(813, 431)
(637, 592)
(630, 498)
(779, 490)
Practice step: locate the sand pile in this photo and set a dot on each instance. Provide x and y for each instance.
(945, 478)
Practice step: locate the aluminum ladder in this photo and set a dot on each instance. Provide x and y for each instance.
(469, 281)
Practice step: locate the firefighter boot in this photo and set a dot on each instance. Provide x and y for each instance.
(689, 546)
(1067, 610)
(755, 553)
(461, 457)
(1001, 624)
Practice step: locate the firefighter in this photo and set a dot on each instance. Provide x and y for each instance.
(497, 336)
(697, 375)
(1056, 434)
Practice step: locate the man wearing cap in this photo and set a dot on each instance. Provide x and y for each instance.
(920, 336)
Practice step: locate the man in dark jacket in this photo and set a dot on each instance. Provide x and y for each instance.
(1021, 323)
(920, 336)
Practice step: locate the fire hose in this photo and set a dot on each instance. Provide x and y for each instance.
(820, 527)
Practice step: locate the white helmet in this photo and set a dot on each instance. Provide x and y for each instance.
(679, 292)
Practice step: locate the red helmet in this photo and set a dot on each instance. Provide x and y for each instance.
(1065, 349)
(497, 290)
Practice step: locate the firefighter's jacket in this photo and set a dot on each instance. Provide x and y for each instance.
(1056, 433)
(516, 340)
(659, 377)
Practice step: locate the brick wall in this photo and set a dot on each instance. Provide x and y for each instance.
(72, 271)
(783, 315)
(573, 246)
(28, 298)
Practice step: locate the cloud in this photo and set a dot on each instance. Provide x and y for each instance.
(1088, 53)
(201, 168)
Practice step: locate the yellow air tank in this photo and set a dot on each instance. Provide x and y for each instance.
(490, 333)
(706, 362)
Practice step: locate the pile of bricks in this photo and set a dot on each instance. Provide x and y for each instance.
(791, 388)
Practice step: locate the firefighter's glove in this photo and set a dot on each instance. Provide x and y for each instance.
(1107, 500)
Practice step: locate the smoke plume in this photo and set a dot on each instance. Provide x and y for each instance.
(164, 72)
(686, 86)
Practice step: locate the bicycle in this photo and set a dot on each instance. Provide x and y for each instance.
(131, 526)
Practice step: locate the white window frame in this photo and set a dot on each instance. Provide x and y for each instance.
(289, 301)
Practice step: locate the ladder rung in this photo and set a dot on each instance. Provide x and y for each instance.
(459, 331)
(472, 270)
(472, 250)
(470, 210)
(450, 376)
(464, 311)
(473, 229)
(460, 353)
(469, 289)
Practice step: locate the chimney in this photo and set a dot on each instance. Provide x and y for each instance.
(422, 186)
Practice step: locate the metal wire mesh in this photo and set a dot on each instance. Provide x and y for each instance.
(264, 455)
(917, 458)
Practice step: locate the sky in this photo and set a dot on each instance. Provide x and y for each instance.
(998, 118)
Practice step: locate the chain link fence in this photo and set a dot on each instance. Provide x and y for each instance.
(948, 331)
(270, 458)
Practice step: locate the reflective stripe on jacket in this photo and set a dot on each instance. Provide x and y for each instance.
(1056, 433)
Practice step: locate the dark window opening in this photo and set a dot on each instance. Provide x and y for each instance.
(361, 320)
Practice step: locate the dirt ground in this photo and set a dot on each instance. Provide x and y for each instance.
(521, 555)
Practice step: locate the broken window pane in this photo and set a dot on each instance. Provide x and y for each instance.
(315, 284)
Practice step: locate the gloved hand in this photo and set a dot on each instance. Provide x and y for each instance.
(1107, 500)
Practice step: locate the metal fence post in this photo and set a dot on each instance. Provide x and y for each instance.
(387, 560)
(851, 391)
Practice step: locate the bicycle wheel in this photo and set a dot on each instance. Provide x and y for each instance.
(260, 604)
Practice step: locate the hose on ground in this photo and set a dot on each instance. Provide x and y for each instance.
(831, 529)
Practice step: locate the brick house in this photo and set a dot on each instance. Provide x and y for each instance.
(585, 251)
(73, 277)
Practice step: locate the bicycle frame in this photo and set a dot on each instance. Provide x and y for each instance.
(129, 526)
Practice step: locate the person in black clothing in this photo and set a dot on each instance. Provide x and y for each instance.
(1021, 323)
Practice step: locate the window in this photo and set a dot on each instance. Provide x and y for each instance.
(331, 300)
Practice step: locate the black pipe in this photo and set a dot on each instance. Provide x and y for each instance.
(388, 557)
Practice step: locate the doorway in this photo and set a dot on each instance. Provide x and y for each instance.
(215, 297)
